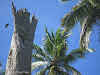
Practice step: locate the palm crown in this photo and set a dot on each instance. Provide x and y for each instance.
(86, 12)
(54, 57)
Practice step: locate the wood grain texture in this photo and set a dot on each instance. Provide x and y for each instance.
(20, 54)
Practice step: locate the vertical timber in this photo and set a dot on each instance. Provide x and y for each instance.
(20, 54)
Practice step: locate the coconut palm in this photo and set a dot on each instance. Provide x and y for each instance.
(87, 12)
(53, 58)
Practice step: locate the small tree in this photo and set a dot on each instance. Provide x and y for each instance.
(52, 58)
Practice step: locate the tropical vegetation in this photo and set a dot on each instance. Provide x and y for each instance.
(87, 12)
(54, 58)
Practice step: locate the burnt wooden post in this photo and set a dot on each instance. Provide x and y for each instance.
(20, 54)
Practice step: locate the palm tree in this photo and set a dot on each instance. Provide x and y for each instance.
(53, 58)
(87, 12)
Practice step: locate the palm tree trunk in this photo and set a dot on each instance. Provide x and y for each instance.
(20, 55)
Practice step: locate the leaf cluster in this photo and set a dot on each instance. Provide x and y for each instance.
(54, 56)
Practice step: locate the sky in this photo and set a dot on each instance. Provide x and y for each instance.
(49, 13)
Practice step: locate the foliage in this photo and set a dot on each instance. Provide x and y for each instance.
(54, 57)
(86, 12)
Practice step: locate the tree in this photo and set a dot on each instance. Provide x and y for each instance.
(20, 55)
(53, 58)
(87, 12)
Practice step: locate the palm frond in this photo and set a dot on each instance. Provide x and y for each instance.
(42, 71)
(38, 57)
(85, 33)
(50, 42)
(92, 2)
(60, 43)
(49, 37)
(56, 44)
(48, 48)
(77, 52)
(95, 3)
(38, 64)
(70, 68)
(53, 36)
(56, 70)
(73, 56)
(79, 11)
(66, 34)
(38, 50)
(40, 53)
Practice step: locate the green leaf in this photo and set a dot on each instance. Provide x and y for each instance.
(79, 11)
(38, 64)
(38, 57)
(56, 70)
(70, 68)
(86, 32)
(95, 3)
(52, 42)
(42, 71)
(73, 55)
(40, 52)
